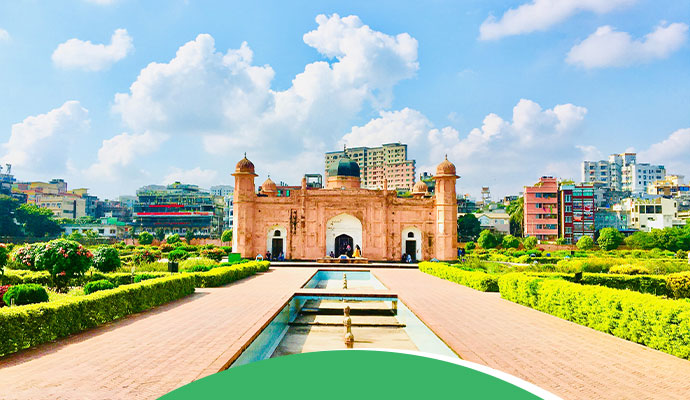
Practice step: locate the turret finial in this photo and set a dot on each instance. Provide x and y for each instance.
(245, 154)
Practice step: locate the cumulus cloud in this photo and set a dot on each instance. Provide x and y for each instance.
(540, 15)
(231, 104)
(504, 154)
(4, 35)
(44, 142)
(610, 48)
(117, 155)
(79, 54)
(671, 152)
(205, 178)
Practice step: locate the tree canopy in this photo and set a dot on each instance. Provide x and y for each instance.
(468, 227)
(516, 209)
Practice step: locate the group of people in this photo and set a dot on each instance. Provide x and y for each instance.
(280, 257)
(346, 252)
(406, 258)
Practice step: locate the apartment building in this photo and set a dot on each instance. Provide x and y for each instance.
(671, 186)
(650, 213)
(541, 209)
(576, 212)
(378, 164)
(622, 172)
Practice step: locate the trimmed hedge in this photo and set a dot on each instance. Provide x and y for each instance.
(223, 275)
(96, 286)
(28, 293)
(652, 284)
(678, 284)
(642, 318)
(474, 279)
(26, 326)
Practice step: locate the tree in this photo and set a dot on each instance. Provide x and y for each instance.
(640, 240)
(516, 211)
(226, 236)
(609, 239)
(160, 234)
(172, 239)
(585, 243)
(487, 240)
(8, 208)
(106, 259)
(560, 240)
(37, 221)
(145, 238)
(510, 241)
(468, 227)
(189, 236)
(529, 242)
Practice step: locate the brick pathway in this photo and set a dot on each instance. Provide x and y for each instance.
(149, 354)
(567, 359)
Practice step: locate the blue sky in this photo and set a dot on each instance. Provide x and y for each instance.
(510, 90)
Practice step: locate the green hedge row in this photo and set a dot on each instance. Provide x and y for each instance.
(26, 326)
(17, 277)
(653, 284)
(223, 275)
(658, 323)
(476, 280)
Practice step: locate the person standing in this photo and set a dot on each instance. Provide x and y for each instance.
(357, 253)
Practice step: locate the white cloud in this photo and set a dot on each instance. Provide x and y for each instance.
(671, 152)
(405, 126)
(79, 54)
(540, 15)
(118, 154)
(204, 178)
(610, 48)
(4, 35)
(44, 142)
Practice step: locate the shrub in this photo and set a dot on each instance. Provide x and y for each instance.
(166, 247)
(143, 277)
(28, 293)
(585, 243)
(145, 238)
(487, 240)
(609, 239)
(3, 290)
(106, 259)
(143, 256)
(224, 275)
(682, 254)
(529, 242)
(216, 254)
(510, 241)
(173, 239)
(17, 277)
(642, 318)
(469, 246)
(19, 325)
(4, 255)
(679, 284)
(96, 286)
(226, 236)
(227, 249)
(476, 280)
(178, 254)
(26, 255)
(195, 262)
(629, 269)
(64, 257)
(199, 268)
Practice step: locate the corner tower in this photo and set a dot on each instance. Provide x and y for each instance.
(243, 208)
(446, 212)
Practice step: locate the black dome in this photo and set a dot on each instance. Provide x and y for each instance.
(344, 167)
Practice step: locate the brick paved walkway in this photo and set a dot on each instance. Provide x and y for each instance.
(149, 354)
(567, 359)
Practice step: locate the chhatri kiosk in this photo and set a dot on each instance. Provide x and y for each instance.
(311, 224)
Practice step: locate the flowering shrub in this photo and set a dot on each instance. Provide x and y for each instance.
(166, 247)
(3, 290)
(106, 259)
(216, 253)
(64, 257)
(26, 255)
(146, 256)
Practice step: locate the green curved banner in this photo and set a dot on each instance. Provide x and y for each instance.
(357, 374)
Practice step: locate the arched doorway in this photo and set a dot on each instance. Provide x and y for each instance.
(275, 241)
(412, 243)
(343, 245)
(347, 230)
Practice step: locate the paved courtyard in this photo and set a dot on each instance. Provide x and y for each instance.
(152, 353)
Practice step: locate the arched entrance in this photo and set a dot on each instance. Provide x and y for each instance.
(343, 245)
(412, 243)
(275, 241)
(343, 229)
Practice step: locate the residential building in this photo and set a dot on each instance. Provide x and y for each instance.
(177, 208)
(378, 164)
(114, 209)
(576, 212)
(608, 218)
(106, 227)
(466, 205)
(645, 214)
(637, 177)
(494, 221)
(622, 172)
(221, 190)
(670, 186)
(541, 209)
(6, 180)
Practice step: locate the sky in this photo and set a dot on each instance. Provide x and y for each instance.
(116, 94)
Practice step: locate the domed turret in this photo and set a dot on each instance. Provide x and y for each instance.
(445, 168)
(269, 187)
(344, 167)
(420, 188)
(245, 166)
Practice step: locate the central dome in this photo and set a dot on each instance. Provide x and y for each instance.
(344, 167)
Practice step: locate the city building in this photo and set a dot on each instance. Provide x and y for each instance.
(114, 209)
(577, 212)
(6, 180)
(670, 186)
(106, 227)
(313, 224)
(177, 208)
(63, 205)
(221, 190)
(622, 172)
(541, 209)
(387, 163)
(645, 214)
(494, 221)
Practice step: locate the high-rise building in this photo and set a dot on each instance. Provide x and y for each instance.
(221, 190)
(622, 172)
(541, 209)
(378, 164)
(576, 212)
